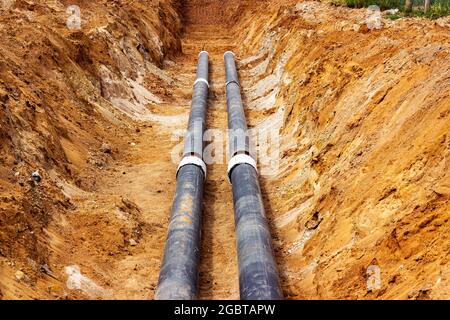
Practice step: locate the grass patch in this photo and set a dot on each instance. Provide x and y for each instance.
(439, 8)
(393, 16)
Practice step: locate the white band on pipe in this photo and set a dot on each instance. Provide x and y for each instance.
(195, 161)
(240, 159)
(201, 80)
(203, 52)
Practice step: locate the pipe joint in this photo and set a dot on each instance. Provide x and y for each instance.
(201, 80)
(232, 81)
(193, 160)
(240, 159)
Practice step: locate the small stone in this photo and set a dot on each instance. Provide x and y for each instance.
(106, 148)
(313, 222)
(46, 269)
(133, 243)
(19, 275)
(36, 176)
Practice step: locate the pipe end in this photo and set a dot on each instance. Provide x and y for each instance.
(203, 51)
(229, 52)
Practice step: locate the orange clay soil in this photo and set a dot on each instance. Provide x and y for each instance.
(358, 204)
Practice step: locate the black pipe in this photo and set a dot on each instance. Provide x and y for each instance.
(258, 275)
(178, 278)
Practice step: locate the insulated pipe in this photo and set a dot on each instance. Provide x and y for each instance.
(178, 277)
(258, 275)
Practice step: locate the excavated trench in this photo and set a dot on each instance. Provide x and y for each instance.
(355, 178)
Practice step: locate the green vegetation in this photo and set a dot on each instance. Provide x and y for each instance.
(393, 16)
(439, 8)
(383, 4)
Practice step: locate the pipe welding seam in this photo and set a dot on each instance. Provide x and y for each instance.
(201, 80)
(193, 160)
(240, 159)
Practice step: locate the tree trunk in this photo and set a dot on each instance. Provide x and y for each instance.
(427, 5)
(408, 5)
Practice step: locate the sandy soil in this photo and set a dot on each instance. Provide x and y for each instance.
(362, 187)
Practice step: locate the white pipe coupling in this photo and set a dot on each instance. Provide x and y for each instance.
(201, 80)
(240, 159)
(196, 161)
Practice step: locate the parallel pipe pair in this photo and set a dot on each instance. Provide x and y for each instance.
(258, 276)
